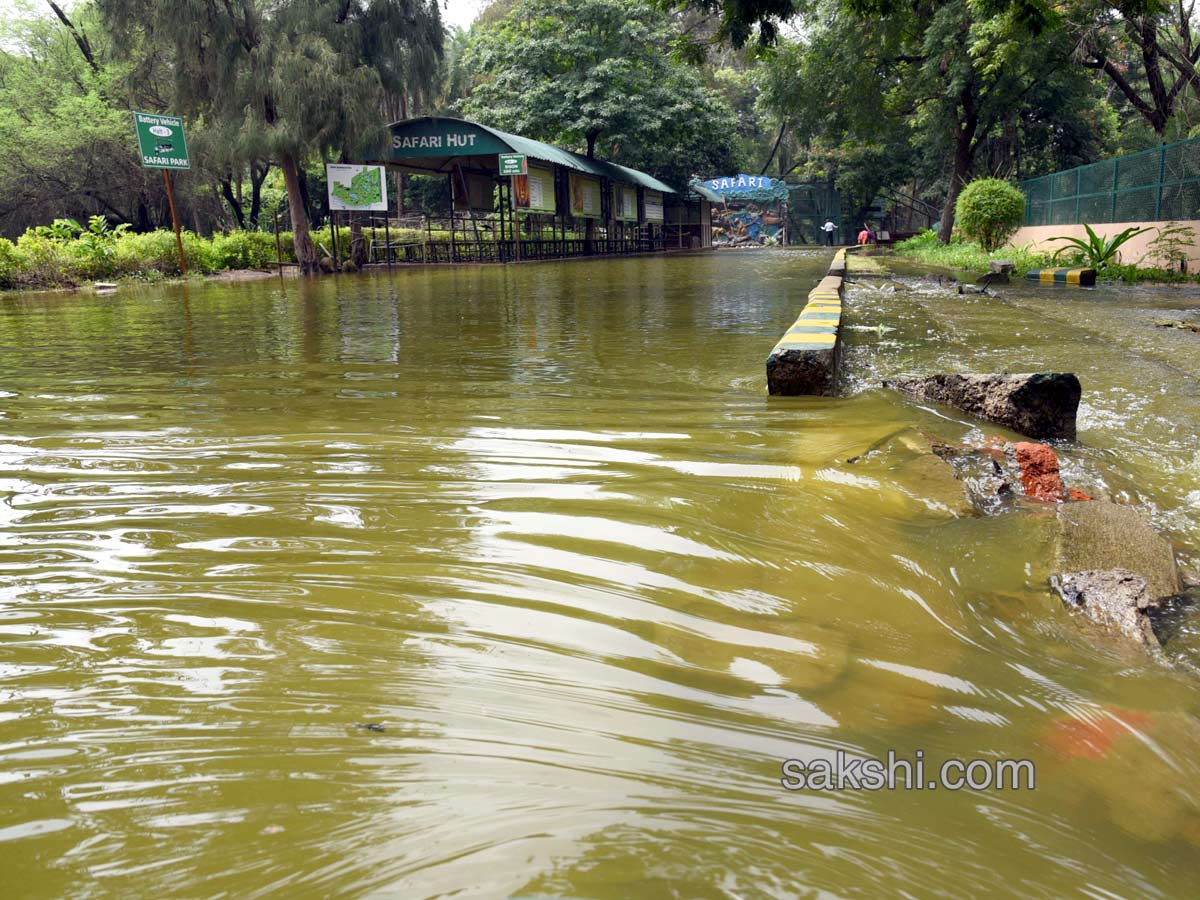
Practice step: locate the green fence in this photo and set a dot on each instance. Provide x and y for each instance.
(1159, 185)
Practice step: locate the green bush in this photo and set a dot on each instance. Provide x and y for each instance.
(989, 211)
(244, 250)
(11, 263)
(922, 240)
(323, 239)
(43, 259)
(156, 250)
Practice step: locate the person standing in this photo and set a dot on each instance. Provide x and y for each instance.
(829, 228)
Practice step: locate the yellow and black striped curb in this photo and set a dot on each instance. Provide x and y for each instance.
(1081, 275)
(805, 359)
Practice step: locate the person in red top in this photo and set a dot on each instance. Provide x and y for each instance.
(865, 235)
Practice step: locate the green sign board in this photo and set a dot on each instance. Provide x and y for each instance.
(161, 141)
(514, 164)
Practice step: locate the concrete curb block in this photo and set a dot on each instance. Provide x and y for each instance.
(1081, 276)
(806, 359)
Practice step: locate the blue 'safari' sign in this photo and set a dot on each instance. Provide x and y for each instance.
(730, 183)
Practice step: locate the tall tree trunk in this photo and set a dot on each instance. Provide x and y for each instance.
(306, 252)
(775, 149)
(257, 176)
(964, 160)
(302, 178)
(232, 200)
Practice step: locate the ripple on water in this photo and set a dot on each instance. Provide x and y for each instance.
(593, 586)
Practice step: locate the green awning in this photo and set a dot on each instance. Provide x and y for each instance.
(439, 139)
(704, 193)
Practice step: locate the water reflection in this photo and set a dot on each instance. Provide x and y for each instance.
(542, 525)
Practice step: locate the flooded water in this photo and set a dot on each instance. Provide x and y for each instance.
(541, 528)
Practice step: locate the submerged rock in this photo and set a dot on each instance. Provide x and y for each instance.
(1115, 598)
(1041, 405)
(1175, 323)
(982, 477)
(1039, 471)
(1101, 535)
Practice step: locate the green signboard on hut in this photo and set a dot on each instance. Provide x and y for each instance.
(514, 164)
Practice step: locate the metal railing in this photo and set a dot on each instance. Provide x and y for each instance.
(1158, 185)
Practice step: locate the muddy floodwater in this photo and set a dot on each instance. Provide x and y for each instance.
(541, 528)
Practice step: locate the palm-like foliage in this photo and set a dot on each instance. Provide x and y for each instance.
(1097, 251)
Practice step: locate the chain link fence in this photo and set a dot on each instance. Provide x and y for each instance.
(1158, 185)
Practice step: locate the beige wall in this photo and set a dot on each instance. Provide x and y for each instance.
(1131, 252)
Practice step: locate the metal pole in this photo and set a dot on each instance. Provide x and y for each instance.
(1078, 182)
(453, 241)
(175, 222)
(333, 239)
(278, 244)
(516, 219)
(1162, 173)
(387, 239)
(1116, 182)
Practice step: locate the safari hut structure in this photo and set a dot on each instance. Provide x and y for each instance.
(563, 205)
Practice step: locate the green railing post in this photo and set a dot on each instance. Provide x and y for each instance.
(1116, 172)
(1162, 172)
(1078, 188)
(1050, 203)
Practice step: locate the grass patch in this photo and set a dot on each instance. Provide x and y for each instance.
(959, 254)
(969, 256)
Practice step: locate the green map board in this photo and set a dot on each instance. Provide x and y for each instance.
(357, 188)
(161, 141)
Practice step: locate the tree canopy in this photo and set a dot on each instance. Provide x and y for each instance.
(882, 98)
(593, 75)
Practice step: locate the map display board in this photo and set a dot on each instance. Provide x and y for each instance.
(535, 191)
(654, 206)
(161, 142)
(585, 197)
(356, 188)
(625, 203)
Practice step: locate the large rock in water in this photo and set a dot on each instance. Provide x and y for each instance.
(1101, 535)
(1041, 405)
(1114, 598)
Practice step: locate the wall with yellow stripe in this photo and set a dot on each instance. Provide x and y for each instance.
(790, 368)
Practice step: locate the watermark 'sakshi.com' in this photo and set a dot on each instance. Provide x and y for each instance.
(843, 773)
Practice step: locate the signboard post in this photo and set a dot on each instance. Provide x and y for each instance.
(163, 146)
(353, 188)
(514, 165)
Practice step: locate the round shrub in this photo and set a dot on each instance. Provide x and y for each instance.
(989, 211)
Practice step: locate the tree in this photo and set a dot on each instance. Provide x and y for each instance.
(967, 67)
(66, 141)
(595, 73)
(842, 114)
(741, 19)
(1148, 52)
(296, 78)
